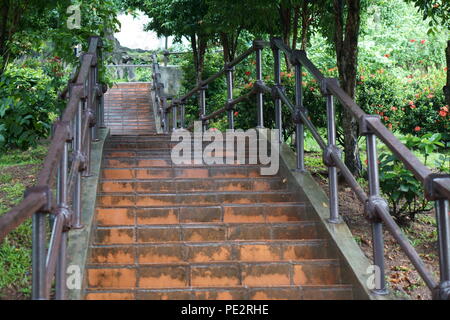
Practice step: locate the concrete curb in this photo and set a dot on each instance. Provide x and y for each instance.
(78, 247)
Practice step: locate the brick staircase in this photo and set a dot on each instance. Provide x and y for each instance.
(202, 232)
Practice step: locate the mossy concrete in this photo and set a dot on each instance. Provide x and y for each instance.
(79, 239)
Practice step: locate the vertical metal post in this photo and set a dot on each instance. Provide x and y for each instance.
(87, 112)
(174, 117)
(203, 106)
(101, 116)
(230, 96)
(76, 223)
(94, 101)
(60, 276)
(277, 78)
(377, 226)
(182, 116)
(443, 225)
(259, 96)
(39, 256)
(299, 128)
(165, 115)
(332, 170)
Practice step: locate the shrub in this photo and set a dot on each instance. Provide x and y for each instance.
(403, 191)
(28, 105)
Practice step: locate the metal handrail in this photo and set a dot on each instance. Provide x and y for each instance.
(436, 186)
(68, 158)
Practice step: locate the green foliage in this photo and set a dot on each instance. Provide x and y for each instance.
(403, 191)
(28, 104)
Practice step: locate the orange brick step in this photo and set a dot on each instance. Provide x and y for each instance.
(197, 231)
(305, 292)
(215, 274)
(206, 232)
(229, 213)
(163, 252)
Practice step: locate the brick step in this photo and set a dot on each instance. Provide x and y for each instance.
(304, 292)
(219, 171)
(287, 250)
(162, 160)
(212, 274)
(192, 185)
(207, 232)
(190, 199)
(228, 213)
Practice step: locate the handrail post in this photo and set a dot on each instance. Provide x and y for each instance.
(165, 114)
(441, 204)
(229, 71)
(39, 251)
(174, 116)
(299, 128)
(332, 170)
(78, 151)
(258, 45)
(38, 256)
(374, 198)
(61, 266)
(182, 115)
(203, 107)
(95, 102)
(277, 100)
(87, 117)
(443, 225)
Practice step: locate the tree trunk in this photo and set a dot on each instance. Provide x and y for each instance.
(285, 18)
(3, 35)
(305, 24)
(295, 27)
(347, 61)
(447, 85)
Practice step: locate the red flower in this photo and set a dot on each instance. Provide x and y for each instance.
(445, 108)
(247, 73)
(386, 118)
(442, 113)
(412, 106)
(417, 129)
(430, 96)
(387, 55)
(236, 113)
(394, 108)
(412, 40)
(390, 126)
(423, 41)
(411, 103)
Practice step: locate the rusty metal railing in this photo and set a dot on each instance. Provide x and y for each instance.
(436, 186)
(68, 159)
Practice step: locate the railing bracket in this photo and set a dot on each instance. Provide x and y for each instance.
(431, 193)
(363, 127)
(442, 291)
(370, 208)
(324, 85)
(47, 207)
(327, 155)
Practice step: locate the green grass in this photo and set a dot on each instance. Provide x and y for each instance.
(20, 157)
(15, 250)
